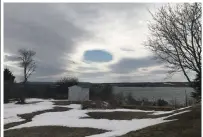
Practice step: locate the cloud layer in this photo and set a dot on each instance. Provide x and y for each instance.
(62, 33)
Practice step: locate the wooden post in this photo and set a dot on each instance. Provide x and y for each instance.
(186, 102)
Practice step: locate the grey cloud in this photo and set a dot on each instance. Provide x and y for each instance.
(128, 65)
(164, 71)
(94, 74)
(42, 28)
(10, 58)
(51, 31)
(46, 70)
(87, 68)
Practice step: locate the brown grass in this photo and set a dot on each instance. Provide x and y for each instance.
(28, 116)
(52, 131)
(187, 125)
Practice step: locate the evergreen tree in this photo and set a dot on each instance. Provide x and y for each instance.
(197, 87)
(8, 76)
(8, 81)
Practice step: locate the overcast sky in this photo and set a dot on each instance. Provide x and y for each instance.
(94, 42)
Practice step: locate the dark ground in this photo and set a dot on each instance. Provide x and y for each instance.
(187, 125)
(52, 131)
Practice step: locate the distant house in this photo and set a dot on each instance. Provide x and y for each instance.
(78, 93)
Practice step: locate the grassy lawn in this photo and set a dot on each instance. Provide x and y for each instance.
(187, 125)
(52, 131)
(28, 116)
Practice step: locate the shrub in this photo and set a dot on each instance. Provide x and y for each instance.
(197, 87)
(120, 98)
(101, 92)
(161, 102)
(8, 83)
(106, 93)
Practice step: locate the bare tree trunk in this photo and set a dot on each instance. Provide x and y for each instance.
(25, 77)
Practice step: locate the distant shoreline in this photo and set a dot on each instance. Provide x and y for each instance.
(125, 84)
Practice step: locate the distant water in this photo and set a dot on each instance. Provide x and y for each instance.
(166, 93)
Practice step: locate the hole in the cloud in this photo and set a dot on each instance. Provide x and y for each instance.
(97, 56)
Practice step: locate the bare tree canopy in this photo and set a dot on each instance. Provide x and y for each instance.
(27, 62)
(68, 81)
(176, 37)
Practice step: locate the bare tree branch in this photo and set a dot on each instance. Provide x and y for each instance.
(176, 37)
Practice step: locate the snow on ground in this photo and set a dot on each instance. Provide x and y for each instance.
(30, 100)
(11, 109)
(116, 110)
(185, 108)
(162, 112)
(72, 117)
(167, 112)
(74, 106)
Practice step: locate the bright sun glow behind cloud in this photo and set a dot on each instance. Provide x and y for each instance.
(114, 32)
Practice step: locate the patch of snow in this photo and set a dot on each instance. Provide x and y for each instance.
(184, 108)
(11, 110)
(116, 110)
(177, 114)
(105, 103)
(30, 100)
(168, 112)
(12, 119)
(161, 112)
(74, 106)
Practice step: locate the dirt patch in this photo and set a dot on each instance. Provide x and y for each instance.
(187, 125)
(119, 115)
(52, 131)
(28, 116)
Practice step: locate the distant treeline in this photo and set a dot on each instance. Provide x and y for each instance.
(154, 84)
(138, 84)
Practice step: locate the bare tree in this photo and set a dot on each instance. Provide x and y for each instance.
(176, 37)
(27, 62)
(68, 81)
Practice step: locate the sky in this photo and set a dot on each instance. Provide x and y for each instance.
(93, 42)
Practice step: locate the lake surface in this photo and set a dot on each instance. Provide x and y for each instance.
(151, 93)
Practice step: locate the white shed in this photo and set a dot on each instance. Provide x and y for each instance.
(77, 93)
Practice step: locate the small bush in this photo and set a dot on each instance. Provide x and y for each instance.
(101, 92)
(161, 102)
